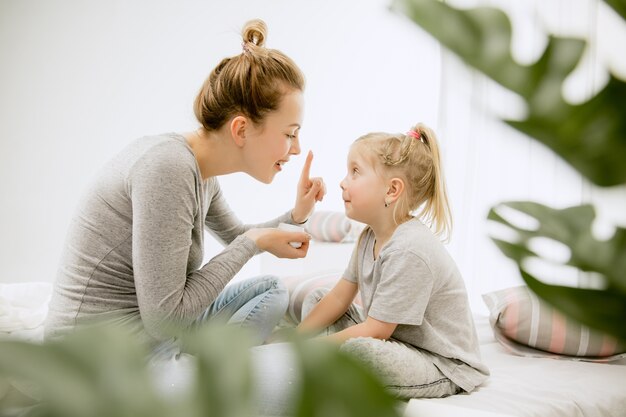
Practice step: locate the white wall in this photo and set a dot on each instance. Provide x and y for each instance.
(80, 79)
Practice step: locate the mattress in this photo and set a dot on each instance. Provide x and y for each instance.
(534, 387)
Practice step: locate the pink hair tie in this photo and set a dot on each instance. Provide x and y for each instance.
(415, 135)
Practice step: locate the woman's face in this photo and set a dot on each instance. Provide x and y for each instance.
(270, 145)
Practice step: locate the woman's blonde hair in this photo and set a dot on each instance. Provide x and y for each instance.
(415, 158)
(251, 83)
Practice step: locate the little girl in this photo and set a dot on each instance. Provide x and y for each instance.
(415, 329)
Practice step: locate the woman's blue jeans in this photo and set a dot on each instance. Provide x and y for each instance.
(256, 304)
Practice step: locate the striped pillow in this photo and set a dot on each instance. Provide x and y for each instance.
(329, 226)
(300, 286)
(528, 326)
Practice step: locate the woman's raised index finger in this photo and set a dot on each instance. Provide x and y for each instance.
(306, 169)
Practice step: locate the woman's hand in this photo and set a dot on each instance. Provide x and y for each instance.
(310, 191)
(276, 242)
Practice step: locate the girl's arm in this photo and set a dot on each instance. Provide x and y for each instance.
(330, 308)
(370, 328)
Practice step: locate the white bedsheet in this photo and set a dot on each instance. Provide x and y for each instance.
(538, 387)
(23, 309)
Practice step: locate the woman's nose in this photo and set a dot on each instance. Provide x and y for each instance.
(295, 146)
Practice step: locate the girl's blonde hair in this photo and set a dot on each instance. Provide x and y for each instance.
(251, 83)
(415, 158)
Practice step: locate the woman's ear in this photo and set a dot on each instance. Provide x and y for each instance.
(238, 126)
(394, 189)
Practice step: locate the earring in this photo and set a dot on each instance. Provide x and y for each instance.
(386, 204)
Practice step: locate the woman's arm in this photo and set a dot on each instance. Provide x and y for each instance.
(330, 308)
(163, 216)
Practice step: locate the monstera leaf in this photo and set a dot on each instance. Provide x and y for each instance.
(619, 6)
(96, 373)
(103, 372)
(326, 372)
(590, 136)
(603, 309)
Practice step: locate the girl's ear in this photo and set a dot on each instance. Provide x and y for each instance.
(238, 127)
(394, 190)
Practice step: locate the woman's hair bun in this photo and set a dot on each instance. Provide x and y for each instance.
(254, 32)
(251, 83)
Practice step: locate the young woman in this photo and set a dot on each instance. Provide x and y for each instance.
(134, 250)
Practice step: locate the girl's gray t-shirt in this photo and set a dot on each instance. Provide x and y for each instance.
(415, 283)
(134, 249)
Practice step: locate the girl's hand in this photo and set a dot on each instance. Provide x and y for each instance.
(310, 191)
(276, 242)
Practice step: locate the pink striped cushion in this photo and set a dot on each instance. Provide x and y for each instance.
(300, 286)
(328, 226)
(528, 326)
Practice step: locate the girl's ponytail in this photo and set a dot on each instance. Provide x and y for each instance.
(435, 208)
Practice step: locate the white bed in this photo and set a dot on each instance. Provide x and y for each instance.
(23, 309)
(534, 387)
(519, 386)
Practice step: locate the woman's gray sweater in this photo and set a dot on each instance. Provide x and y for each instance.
(134, 249)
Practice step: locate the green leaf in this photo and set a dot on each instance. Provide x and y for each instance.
(513, 251)
(336, 384)
(481, 37)
(619, 6)
(601, 309)
(50, 370)
(97, 372)
(103, 372)
(572, 227)
(591, 136)
(223, 384)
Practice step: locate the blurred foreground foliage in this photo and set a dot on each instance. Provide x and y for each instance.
(590, 136)
(105, 372)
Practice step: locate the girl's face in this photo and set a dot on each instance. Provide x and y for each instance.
(363, 188)
(271, 144)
